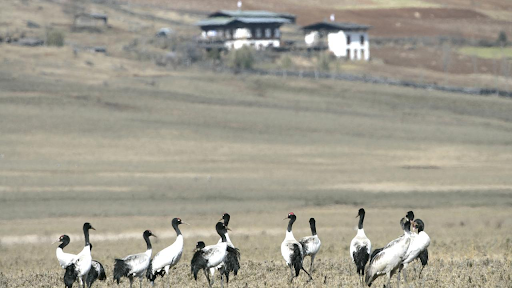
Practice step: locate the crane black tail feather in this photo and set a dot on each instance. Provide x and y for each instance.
(296, 259)
(198, 263)
(120, 269)
(70, 275)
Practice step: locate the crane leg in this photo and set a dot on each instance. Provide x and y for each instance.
(311, 270)
(207, 278)
(405, 277)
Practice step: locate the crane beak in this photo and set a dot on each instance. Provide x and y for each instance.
(153, 235)
(58, 240)
(221, 219)
(357, 215)
(227, 228)
(285, 218)
(92, 228)
(182, 222)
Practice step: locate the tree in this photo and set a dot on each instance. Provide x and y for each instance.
(242, 58)
(502, 39)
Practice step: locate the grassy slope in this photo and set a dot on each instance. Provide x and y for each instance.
(127, 151)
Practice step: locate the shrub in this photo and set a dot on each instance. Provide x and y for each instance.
(286, 62)
(54, 38)
(243, 58)
(213, 54)
(323, 62)
(502, 38)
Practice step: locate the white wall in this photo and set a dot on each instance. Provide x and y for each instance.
(338, 45)
(312, 38)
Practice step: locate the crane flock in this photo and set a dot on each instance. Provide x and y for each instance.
(225, 258)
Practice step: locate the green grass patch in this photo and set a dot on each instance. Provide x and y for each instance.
(487, 52)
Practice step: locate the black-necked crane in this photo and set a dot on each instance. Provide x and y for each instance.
(360, 247)
(134, 265)
(311, 244)
(291, 250)
(387, 261)
(83, 261)
(66, 261)
(410, 217)
(232, 261)
(97, 272)
(423, 256)
(168, 257)
(419, 244)
(211, 256)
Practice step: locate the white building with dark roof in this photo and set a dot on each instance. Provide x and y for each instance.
(348, 40)
(238, 28)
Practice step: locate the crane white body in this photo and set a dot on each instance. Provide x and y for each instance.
(168, 257)
(65, 259)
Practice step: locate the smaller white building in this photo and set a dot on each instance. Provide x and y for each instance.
(347, 40)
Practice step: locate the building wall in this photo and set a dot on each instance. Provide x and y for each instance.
(258, 44)
(312, 38)
(338, 44)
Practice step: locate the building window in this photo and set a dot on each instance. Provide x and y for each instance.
(258, 32)
(268, 33)
(348, 40)
(362, 39)
(348, 54)
(362, 54)
(277, 33)
(228, 34)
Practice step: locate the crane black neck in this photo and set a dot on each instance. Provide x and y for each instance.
(148, 242)
(361, 220)
(176, 228)
(312, 225)
(290, 224)
(86, 236)
(221, 230)
(407, 226)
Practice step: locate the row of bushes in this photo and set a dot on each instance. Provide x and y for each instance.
(501, 40)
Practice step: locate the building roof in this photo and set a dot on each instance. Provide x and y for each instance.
(222, 21)
(252, 14)
(336, 26)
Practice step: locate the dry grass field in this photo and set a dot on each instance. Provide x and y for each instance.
(127, 146)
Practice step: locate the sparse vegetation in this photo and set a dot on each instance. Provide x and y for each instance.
(242, 58)
(55, 38)
(286, 62)
(324, 61)
(487, 52)
(502, 39)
